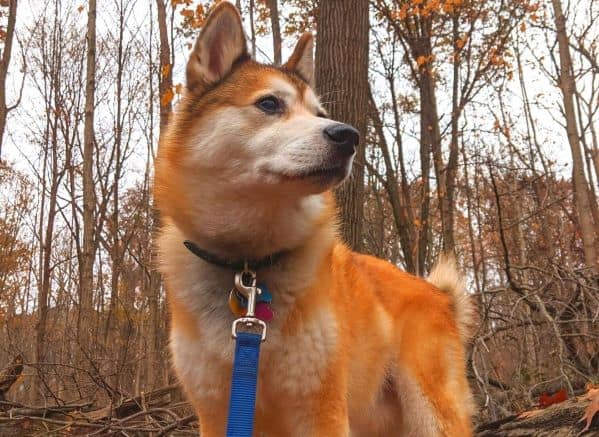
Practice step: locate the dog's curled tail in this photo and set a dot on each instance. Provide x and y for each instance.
(445, 277)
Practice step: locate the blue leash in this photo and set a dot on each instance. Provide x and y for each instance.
(242, 404)
(243, 385)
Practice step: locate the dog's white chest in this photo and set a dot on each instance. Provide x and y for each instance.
(297, 363)
(290, 365)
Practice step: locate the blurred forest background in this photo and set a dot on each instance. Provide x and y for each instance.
(479, 126)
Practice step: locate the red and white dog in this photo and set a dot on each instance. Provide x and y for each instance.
(356, 346)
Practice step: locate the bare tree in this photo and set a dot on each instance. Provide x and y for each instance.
(4, 64)
(581, 190)
(276, 30)
(165, 84)
(87, 267)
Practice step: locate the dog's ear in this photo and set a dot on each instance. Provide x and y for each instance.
(302, 59)
(220, 44)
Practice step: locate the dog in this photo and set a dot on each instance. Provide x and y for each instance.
(245, 172)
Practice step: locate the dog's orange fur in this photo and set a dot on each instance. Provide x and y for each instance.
(356, 344)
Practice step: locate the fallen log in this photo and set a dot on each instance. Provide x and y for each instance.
(564, 419)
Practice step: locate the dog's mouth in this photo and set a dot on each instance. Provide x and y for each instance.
(320, 173)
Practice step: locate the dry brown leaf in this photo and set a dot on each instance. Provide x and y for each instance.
(592, 409)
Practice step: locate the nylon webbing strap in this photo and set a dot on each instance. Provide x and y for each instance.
(242, 403)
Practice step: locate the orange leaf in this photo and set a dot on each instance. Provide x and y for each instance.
(179, 88)
(592, 409)
(187, 13)
(448, 8)
(167, 97)
(80, 8)
(166, 69)
(421, 60)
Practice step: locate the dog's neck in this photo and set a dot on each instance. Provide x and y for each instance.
(237, 227)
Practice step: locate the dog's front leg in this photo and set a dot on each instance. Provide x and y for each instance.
(331, 420)
(325, 412)
(212, 416)
(212, 423)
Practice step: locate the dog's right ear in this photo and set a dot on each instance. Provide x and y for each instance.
(220, 44)
(302, 58)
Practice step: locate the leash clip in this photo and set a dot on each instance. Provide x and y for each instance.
(250, 292)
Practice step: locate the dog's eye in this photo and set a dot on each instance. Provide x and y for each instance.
(270, 105)
(321, 114)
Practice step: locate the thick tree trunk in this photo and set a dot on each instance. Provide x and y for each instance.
(342, 82)
(588, 228)
(87, 268)
(4, 63)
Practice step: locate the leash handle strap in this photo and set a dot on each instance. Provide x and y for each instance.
(242, 404)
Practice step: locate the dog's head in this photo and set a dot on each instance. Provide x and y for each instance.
(245, 132)
(256, 126)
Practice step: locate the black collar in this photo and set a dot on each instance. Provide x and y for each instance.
(237, 265)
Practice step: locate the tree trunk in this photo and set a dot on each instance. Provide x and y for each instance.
(4, 63)
(49, 167)
(588, 228)
(276, 30)
(252, 28)
(165, 84)
(398, 206)
(447, 201)
(343, 87)
(87, 273)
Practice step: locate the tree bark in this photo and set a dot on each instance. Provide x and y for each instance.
(398, 204)
(165, 84)
(252, 28)
(276, 30)
(87, 273)
(4, 63)
(342, 81)
(155, 282)
(588, 228)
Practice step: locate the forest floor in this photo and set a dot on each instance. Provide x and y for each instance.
(159, 413)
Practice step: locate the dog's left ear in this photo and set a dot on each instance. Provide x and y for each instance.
(220, 44)
(302, 59)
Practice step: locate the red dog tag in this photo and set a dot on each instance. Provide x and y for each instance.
(264, 311)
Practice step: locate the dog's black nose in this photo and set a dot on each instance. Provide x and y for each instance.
(343, 137)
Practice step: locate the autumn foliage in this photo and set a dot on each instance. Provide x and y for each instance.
(468, 148)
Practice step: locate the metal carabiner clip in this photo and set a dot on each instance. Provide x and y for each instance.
(249, 292)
